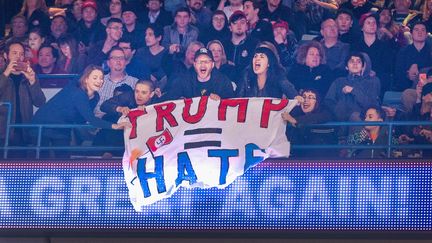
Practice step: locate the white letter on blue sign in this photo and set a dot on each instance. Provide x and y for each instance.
(316, 199)
(371, 199)
(5, 208)
(85, 192)
(276, 201)
(47, 197)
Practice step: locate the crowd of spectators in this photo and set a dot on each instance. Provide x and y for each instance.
(343, 60)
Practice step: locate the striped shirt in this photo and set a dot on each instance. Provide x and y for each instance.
(107, 90)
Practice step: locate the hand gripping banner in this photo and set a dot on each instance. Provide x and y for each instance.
(199, 142)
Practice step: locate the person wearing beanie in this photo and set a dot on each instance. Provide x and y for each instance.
(133, 29)
(264, 77)
(204, 80)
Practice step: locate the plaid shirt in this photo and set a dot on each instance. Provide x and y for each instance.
(107, 90)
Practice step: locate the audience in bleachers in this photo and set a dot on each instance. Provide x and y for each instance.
(255, 48)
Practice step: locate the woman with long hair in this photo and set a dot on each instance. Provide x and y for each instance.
(265, 77)
(74, 104)
(71, 59)
(36, 13)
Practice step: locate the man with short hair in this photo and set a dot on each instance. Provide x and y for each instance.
(274, 10)
(201, 15)
(181, 33)
(336, 51)
(204, 80)
(347, 33)
(135, 67)
(89, 30)
(19, 86)
(115, 78)
(258, 28)
(240, 48)
(156, 14)
(114, 31)
(58, 27)
(47, 64)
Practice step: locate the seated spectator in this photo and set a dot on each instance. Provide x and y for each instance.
(218, 29)
(259, 29)
(74, 14)
(239, 48)
(19, 86)
(264, 77)
(36, 13)
(336, 51)
(350, 95)
(200, 14)
(115, 78)
(427, 13)
(152, 55)
(155, 14)
(175, 68)
(389, 31)
(120, 105)
(412, 58)
(348, 31)
(310, 111)
(358, 7)
(378, 51)
(134, 67)
(311, 71)
(204, 80)
(419, 134)
(115, 9)
(371, 135)
(89, 30)
(231, 7)
(72, 60)
(73, 105)
(181, 33)
(35, 41)
(286, 44)
(221, 62)
(48, 57)
(315, 12)
(114, 31)
(18, 31)
(133, 30)
(58, 28)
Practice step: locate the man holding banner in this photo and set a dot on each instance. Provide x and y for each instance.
(203, 81)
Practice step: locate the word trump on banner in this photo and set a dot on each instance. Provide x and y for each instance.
(200, 142)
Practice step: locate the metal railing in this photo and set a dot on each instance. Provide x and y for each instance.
(38, 146)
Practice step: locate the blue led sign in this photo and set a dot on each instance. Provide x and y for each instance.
(278, 195)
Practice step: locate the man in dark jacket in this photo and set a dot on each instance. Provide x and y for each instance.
(204, 81)
(20, 87)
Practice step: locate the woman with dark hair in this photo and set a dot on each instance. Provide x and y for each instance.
(74, 104)
(71, 60)
(311, 70)
(35, 41)
(309, 112)
(153, 54)
(115, 9)
(371, 135)
(265, 77)
(218, 30)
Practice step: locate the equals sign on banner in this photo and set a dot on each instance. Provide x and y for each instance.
(205, 143)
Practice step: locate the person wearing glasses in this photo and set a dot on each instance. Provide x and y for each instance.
(310, 111)
(203, 80)
(115, 78)
(114, 31)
